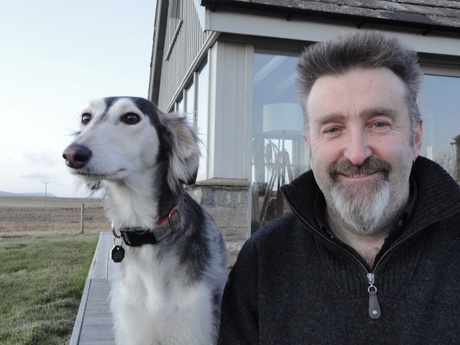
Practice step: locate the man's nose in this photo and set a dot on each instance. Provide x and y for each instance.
(357, 148)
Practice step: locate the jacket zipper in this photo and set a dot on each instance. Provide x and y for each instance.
(374, 306)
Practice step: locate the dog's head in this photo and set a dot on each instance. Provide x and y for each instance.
(125, 138)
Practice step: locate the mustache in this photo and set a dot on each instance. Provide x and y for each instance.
(371, 165)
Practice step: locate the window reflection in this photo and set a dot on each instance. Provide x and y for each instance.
(278, 152)
(441, 122)
(193, 103)
(203, 118)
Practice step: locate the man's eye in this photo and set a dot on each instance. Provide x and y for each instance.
(130, 118)
(331, 130)
(86, 118)
(380, 125)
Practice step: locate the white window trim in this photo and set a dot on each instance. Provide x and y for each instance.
(173, 39)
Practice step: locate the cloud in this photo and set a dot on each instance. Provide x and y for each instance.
(43, 158)
(44, 178)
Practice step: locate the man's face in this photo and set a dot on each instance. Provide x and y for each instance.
(359, 140)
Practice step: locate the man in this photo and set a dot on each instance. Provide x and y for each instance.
(369, 253)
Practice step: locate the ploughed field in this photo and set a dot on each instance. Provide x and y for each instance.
(24, 215)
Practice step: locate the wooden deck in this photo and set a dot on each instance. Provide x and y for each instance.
(93, 325)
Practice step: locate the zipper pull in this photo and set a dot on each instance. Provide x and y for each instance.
(374, 307)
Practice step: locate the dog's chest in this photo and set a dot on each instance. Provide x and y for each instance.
(148, 276)
(160, 298)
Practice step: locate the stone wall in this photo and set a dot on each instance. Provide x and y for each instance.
(227, 201)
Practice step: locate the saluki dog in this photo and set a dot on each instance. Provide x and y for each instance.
(171, 259)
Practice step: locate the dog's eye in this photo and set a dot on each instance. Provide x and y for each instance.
(130, 119)
(85, 118)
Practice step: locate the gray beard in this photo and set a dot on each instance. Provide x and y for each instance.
(362, 206)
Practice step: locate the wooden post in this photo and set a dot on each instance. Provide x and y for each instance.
(82, 219)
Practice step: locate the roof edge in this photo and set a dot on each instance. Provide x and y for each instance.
(290, 12)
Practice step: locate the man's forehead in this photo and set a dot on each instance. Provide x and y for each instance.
(364, 92)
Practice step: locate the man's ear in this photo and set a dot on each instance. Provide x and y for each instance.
(305, 139)
(304, 135)
(307, 144)
(418, 139)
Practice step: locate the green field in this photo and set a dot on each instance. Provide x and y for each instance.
(41, 283)
(44, 262)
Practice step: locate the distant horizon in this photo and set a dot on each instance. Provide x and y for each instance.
(48, 195)
(31, 194)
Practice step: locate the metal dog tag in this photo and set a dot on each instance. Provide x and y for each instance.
(118, 253)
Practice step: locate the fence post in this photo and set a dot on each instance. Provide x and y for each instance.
(82, 219)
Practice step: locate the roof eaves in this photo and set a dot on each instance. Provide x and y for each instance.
(355, 11)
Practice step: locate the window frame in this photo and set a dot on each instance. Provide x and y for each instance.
(175, 15)
(440, 69)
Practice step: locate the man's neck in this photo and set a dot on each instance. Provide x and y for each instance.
(366, 245)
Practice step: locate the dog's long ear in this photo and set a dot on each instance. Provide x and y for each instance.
(185, 155)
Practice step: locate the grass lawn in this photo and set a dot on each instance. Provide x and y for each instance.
(41, 283)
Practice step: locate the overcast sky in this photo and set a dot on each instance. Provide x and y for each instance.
(55, 57)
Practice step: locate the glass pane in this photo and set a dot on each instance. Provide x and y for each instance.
(175, 15)
(278, 152)
(190, 104)
(180, 106)
(441, 122)
(202, 119)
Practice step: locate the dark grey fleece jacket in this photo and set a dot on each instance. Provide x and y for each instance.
(293, 283)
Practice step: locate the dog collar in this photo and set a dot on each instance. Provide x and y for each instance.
(135, 236)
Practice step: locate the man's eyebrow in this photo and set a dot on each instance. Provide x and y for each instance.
(366, 113)
(330, 118)
(379, 111)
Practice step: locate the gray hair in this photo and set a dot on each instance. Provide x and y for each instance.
(362, 50)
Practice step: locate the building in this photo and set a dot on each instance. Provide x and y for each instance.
(230, 65)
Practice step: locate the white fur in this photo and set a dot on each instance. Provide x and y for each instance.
(145, 308)
(154, 300)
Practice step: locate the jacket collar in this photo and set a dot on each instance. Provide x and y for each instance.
(438, 195)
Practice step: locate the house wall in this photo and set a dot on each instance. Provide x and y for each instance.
(230, 110)
(230, 128)
(181, 56)
(225, 195)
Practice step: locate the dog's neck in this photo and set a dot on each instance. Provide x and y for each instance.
(134, 204)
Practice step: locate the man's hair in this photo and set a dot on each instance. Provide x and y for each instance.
(362, 50)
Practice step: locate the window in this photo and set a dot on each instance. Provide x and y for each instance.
(174, 24)
(193, 103)
(180, 106)
(190, 109)
(441, 121)
(278, 152)
(202, 118)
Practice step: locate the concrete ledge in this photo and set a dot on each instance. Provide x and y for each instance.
(74, 339)
(222, 182)
(93, 324)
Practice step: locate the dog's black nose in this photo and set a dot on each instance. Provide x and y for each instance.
(76, 156)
